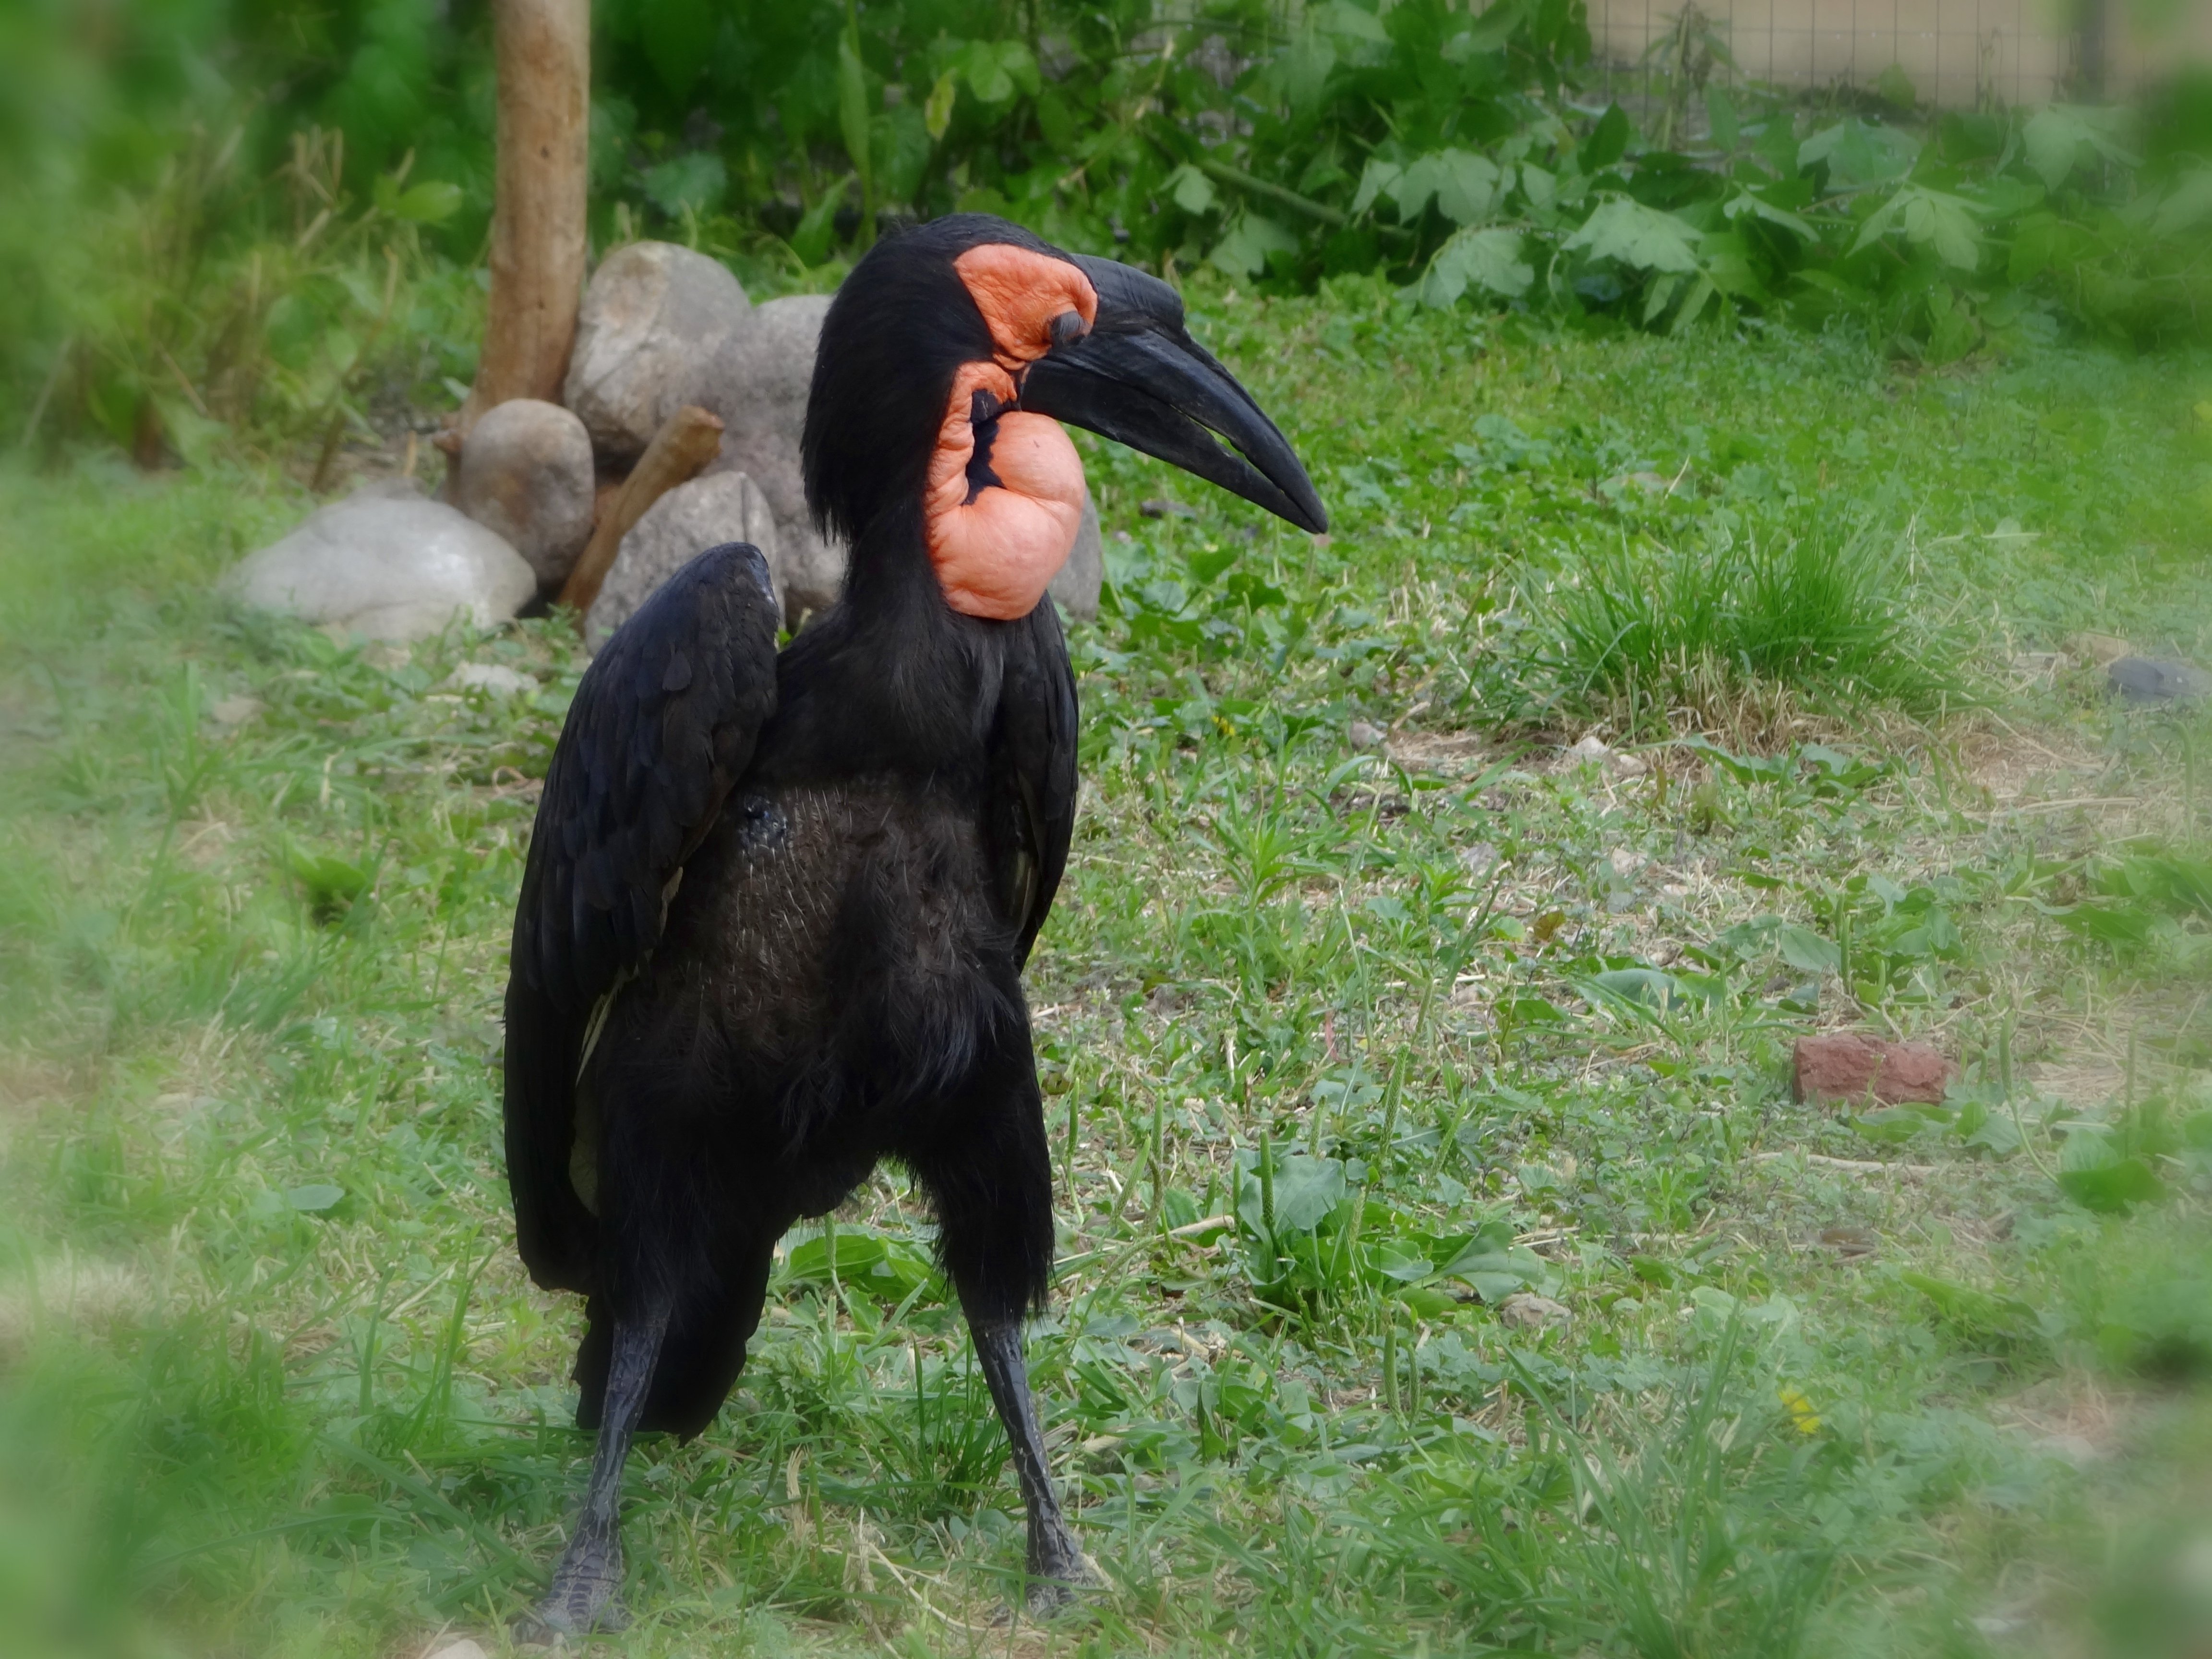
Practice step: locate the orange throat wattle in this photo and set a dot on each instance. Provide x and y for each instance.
(999, 531)
(996, 547)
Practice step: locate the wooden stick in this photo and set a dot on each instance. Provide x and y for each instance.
(543, 54)
(687, 441)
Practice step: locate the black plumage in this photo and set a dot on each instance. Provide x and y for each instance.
(776, 907)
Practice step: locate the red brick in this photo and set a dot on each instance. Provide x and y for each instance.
(1844, 1065)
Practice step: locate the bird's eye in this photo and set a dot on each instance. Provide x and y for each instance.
(1067, 328)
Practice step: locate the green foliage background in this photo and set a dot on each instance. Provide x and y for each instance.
(204, 198)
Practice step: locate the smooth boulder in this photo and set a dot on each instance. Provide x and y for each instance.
(724, 507)
(2151, 679)
(388, 564)
(1077, 583)
(654, 317)
(758, 383)
(526, 473)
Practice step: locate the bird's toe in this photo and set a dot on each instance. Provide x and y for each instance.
(585, 1597)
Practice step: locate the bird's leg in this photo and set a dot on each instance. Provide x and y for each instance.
(1055, 1559)
(587, 1582)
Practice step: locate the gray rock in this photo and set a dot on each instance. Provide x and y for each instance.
(654, 316)
(388, 564)
(1076, 586)
(1526, 1311)
(2146, 679)
(724, 507)
(526, 473)
(758, 384)
(495, 678)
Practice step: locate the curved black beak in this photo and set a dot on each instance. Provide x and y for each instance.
(1140, 379)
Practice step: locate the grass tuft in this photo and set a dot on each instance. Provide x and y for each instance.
(1739, 637)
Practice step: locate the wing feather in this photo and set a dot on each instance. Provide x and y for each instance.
(662, 727)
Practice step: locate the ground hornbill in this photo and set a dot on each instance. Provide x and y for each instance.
(776, 906)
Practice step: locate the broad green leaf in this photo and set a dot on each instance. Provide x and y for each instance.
(810, 240)
(1306, 1190)
(1928, 217)
(1858, 153)
(313, 1198)
(937, 114)
(2187, 204)
(1646, 988)
(1306, 70)
(1466, 185)
(852, 106)
(1243, 251)
(696, 181)
(1806, 951)
(2113, 1188)
(1379, 176)
(1490, 31)
(1721, 114)
(678, 37)
(1632, 234)
(2092, 1172)
(1743, 202)
(1608, 140)
(1341, 18)
(429, 203)
(2054, 139)
(1486, 259)
(1191, 190)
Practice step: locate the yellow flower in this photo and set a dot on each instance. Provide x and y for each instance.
(1801, 1410)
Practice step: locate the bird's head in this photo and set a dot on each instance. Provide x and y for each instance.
(947, 363)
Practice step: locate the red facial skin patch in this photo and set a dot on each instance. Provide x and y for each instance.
(996, 554)
(1019, 293)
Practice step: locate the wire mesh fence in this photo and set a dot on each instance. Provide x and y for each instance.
(1955, 54)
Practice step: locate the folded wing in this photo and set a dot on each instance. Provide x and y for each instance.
(662, 728)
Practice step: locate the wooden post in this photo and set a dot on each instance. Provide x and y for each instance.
(543, 51)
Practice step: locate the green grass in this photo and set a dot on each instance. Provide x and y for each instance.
(1344, 1050)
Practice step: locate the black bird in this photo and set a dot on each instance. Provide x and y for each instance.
(777, 905)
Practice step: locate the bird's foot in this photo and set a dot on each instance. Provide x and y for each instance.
(1055, 1582)
(585, 1595)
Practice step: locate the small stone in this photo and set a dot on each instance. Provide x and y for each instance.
(385, 563)
(235, 711)
(1077, 583)
(495, 678)
(2102, 649)
(1628, 765)
(706, 511)
(654, 316)
(463, 1649)
(758, 383)
(2148, 680)
(1526, 1311)
(1591, 748)
(1847, 1066)
(526, 473)
(2040, 665)
(1365, 734)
